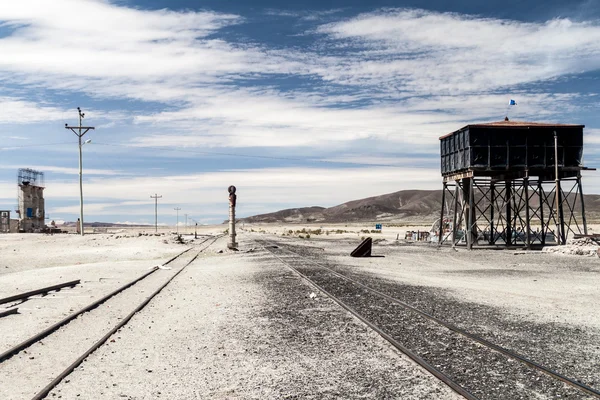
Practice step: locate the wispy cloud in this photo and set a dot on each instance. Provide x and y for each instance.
(431, 53)
(16, 110)
(363, 89)
(107, 49)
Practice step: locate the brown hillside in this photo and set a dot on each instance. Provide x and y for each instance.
(405, 205)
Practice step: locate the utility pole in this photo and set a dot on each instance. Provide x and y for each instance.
(177, 209)
(155, 197)
(80, 131)
(185, 229)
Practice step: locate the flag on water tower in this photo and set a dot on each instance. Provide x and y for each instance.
(511, 102)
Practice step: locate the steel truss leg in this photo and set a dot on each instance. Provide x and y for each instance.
(561, 214)
(541, 196)
(583, 219)
(527, 217)
(455, 214)
(493, 202)
(441, 229)
(508, 197)
(470, 216)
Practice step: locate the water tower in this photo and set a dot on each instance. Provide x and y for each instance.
(512, 183)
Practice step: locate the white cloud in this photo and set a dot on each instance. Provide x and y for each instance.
(105, 49)
(166, 56)
(397, 79)
(430, 52)
(241, 119)
(16, 110)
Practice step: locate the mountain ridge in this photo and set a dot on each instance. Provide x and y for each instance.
(404, 205)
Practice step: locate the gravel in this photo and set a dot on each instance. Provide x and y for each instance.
(571, 350)
(238, 325)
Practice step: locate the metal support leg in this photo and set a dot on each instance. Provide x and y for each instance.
(561, 214)
(472, 215)
(455, 213)
(441, 229)
(467, 191)
(541, 196)
(583, 219)
(492, 240)
(527, 217)
(508, 197)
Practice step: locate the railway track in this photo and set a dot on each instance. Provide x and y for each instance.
(35, 366)
(26, 295)
(471, 365)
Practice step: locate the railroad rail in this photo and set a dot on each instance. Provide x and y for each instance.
(26, 295)
(9, 312)
(41, 335)
(67, 371)
(445, 378)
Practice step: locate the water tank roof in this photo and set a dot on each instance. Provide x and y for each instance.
(515, 124)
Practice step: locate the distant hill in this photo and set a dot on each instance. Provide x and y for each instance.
(405, 205)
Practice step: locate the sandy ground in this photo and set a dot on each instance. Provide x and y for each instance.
(231, 326)
(241, 325)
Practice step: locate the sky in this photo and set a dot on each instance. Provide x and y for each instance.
(295, 103)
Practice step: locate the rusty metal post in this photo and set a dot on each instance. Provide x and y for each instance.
(232, 199)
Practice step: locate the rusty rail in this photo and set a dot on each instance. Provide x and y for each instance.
(9, 312)
(26, 295)
(35, 338)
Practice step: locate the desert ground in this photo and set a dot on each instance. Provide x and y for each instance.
(240, 324)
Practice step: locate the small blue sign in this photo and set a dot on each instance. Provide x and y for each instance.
(378, 226)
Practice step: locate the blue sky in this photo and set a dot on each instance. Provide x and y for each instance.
(299, 104)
